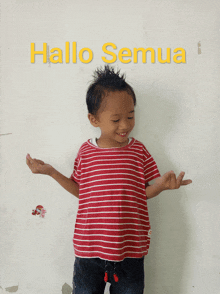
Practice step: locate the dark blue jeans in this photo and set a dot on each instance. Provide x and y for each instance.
(88, 276)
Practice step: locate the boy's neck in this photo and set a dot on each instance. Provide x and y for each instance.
(106, 143)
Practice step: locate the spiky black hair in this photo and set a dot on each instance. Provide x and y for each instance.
(105, 80)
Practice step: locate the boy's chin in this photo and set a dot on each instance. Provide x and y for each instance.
(121, 139)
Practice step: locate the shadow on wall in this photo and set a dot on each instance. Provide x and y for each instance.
(9, 289)
(165, 264)
(166, 261)
(66, 289)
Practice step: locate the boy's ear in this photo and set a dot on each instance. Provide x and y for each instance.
(93, 120)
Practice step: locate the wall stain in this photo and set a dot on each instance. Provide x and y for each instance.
(5, 134)
(199, 48)
(66, 289)
(12, 289)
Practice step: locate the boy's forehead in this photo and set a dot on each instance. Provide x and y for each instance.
(119, 100)
(115, 102)
(116, 114)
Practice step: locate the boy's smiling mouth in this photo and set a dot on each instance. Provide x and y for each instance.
(122, 134)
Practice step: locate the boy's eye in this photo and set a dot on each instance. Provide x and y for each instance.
(118, 119)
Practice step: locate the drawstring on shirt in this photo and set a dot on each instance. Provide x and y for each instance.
(106, 273)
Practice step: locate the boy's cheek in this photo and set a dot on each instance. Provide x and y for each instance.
(133, 124)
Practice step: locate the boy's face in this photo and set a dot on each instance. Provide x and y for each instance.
(115, 118)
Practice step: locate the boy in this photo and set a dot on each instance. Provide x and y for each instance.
(110, 178)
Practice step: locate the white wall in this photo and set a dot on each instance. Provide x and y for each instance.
(43, 112)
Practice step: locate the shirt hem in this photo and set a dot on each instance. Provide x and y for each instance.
(111, 259)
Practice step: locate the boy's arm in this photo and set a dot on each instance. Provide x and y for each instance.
(167, 182)
(152, 191)
(39, 167)
(66, 183)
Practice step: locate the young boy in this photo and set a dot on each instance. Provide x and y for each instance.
(110, 178)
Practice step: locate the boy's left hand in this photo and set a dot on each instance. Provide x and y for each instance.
(169, 181)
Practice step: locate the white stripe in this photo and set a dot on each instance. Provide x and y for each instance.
(114, 164)
(77, 174)
(105, 241)
(109, 236)
(114, 224)
(127, 156)
(152, 166)
(113, 184)
(110, 174)
(148, 157)
(96, 202)
(103, 247)
(152, 172)
(152, 163)
(120, 168)
(111, 211)
(98, 207)
(88, 151)
(110, 195)
(112, 179)
(79, 161)
(134, 191)
(117, 230)
(107, 254)
(109, 199)
(118, 218)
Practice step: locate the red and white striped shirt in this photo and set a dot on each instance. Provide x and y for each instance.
(112, 221)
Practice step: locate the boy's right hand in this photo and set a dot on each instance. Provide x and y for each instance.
(38, 166)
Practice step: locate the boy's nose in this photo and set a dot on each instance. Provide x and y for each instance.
(124, 126)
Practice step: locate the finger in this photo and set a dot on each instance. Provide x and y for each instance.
(186, 182)
(168, 174)
(29, 158)
(27, 162)
(179, 179)
(172, 180)
(32, 163)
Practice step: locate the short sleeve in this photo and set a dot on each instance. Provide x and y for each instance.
(76, 175)
(150, 167)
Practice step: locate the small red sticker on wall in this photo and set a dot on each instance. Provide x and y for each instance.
(39, 210)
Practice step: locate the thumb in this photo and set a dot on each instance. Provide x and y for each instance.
(29, 158)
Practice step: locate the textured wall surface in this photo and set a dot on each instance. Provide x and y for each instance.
(43, 112)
